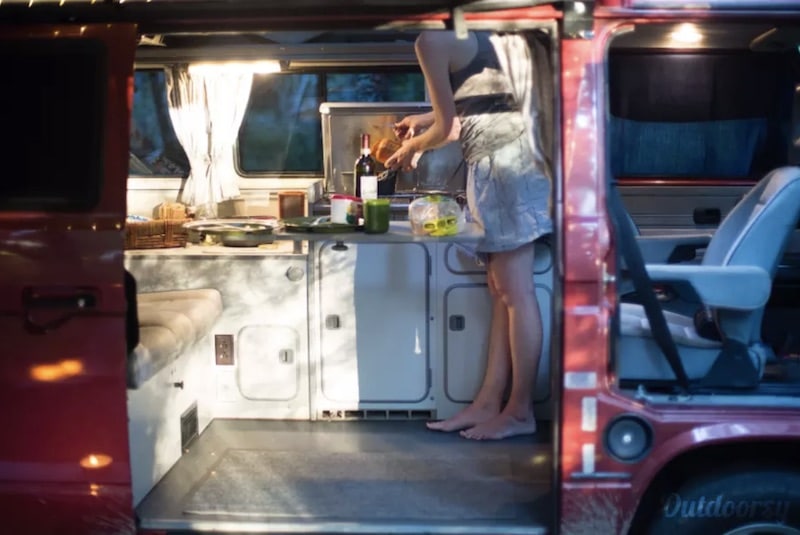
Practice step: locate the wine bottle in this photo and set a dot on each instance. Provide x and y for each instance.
(365, 172)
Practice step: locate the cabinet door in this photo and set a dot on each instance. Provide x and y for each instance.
(375, 323)
(468, 311)
(267, 369)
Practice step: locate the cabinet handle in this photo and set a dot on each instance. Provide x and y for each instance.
(457, 322)
(332, 321)
(286, 356)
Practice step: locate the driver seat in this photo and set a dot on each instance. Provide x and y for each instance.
(734, 281)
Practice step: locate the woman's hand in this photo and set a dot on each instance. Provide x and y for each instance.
(404, 158)
(412, 125)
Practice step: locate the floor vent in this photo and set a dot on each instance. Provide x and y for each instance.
(377, 414)
(189, 426)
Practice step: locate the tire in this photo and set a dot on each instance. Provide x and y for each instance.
(764, 499)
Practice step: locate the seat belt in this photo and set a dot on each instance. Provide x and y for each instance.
(644, 287)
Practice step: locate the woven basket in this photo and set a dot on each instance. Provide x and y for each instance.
(157, 234)
(170, 210)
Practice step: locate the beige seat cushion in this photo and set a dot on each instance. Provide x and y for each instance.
(170, 323)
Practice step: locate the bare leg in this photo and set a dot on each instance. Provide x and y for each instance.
(488, 401)
(512, 272)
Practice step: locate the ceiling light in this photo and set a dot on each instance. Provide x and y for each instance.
(254, 67)
(686, 34)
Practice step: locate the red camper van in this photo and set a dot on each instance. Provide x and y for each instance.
(244, 373)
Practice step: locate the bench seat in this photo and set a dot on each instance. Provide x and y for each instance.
(170, 322)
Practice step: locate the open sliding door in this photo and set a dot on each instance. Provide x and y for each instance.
(64, 104)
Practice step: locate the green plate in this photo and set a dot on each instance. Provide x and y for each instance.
(320, 224)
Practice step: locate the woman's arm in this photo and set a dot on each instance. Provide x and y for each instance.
(433, 49)
(433, 53)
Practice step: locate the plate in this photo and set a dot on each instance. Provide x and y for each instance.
(321, 224)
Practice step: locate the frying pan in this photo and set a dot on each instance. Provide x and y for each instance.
(230, 233)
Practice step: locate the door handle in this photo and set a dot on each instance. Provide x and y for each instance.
(70, 298)
(48, 308)
(707, 216)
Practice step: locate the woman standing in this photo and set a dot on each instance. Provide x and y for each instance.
(508, 194)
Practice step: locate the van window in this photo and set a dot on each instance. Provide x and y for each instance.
(281, 132)
(154, 148)
(54, 110)
(699, 115)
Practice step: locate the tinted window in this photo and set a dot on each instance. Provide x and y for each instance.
(52, 110)
(154, 148)
(281, 131)
(710, 115)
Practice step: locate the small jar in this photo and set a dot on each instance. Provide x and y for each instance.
(291, 204)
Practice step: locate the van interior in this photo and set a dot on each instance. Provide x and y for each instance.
(710, 126)
(285, 388)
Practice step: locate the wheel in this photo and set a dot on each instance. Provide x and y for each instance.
(744, 501)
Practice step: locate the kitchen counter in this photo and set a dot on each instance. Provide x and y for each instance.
(296, 243)
(399, 232)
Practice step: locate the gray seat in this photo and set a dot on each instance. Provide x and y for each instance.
(662, 249)
(734, 279)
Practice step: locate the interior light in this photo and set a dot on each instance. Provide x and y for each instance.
(254, 67)
(686, 34)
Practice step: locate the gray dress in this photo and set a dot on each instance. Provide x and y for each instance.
(508, 193)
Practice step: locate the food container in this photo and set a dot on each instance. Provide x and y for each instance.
(345, 209)
(291, 204)
(435, 215)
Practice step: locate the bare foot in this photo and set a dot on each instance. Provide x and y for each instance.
(500, 427)
(469, 417)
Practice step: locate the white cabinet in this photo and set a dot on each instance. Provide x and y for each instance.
(374, 326)
(467, 316)
(464, 308)
(265, 311)
(267, 363)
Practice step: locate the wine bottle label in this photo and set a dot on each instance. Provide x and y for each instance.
(369, 187)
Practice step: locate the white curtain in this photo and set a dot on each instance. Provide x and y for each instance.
(206, 108)
(527, 62)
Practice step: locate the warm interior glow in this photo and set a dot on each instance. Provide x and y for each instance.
(686, 34)
(95, 460)
(255, 67)
(57, 372)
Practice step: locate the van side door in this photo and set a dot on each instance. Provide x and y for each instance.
(65, 106)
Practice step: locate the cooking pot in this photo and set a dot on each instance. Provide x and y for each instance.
(249, 237)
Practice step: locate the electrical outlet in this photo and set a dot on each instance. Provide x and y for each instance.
(223, 348)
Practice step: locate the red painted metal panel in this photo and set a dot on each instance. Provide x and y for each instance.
(64, 458)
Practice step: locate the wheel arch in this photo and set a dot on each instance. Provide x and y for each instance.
(711, 457)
